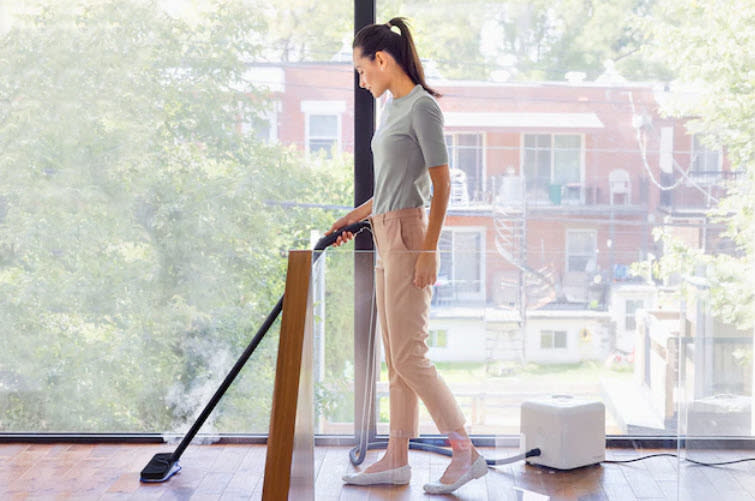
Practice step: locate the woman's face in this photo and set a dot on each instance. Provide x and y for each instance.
(372, 74)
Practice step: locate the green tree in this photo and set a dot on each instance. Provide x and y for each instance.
(531, 40)
(139, 249)
(710, 47)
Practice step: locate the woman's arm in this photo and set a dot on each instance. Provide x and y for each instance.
(426, 269)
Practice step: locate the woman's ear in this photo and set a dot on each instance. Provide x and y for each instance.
(381, 59)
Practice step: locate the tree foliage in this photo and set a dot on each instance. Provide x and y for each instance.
(139, 250)
(710, 47)
(529, 40)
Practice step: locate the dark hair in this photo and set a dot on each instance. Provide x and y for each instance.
(376, 37)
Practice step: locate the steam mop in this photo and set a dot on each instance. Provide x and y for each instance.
(164, 465)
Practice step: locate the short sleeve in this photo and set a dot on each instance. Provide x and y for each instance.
(427, 122)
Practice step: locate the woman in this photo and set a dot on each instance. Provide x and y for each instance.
(410, 156)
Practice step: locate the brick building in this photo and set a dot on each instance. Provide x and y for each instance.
(557, 187)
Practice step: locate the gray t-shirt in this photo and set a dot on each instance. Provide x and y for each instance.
(408, 140)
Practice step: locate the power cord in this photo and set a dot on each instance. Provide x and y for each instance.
(701, 463)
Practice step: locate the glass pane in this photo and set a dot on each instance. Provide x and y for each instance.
(559, 339)
(143, 218)
(467, 261)
(537, 165)
(323, 126)
(546, 339)
(567, 159)
(581, 242)
(325, 145)
(470, 161)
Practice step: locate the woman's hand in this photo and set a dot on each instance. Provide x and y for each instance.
(352, 217)
(426, 269)
(340, 223)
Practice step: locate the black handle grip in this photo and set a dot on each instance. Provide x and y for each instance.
(329, 240)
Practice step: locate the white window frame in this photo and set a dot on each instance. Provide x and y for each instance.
(553, 346)
(568, 254)
(454, 135)
(705, 176)
(432, 339)
(582, 139)
(481, 230)
(323, 108)
(270, 115)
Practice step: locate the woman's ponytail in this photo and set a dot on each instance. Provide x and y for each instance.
(375, 37)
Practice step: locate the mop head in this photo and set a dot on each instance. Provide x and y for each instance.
(160, 468)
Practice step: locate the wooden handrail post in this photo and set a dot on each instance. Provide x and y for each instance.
(289, 467)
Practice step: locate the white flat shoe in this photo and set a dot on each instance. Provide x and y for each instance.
(477, 470)
(397, 476)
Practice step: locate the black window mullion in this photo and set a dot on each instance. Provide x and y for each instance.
(364, 185)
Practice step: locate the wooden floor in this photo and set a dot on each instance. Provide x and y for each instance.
(211, 472)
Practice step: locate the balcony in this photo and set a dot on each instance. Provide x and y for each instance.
(541, 194)
(698, 191)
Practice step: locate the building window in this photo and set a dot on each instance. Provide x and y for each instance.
(465, 152)
(552, 165)
(705, 162)
(438, 338)
(461, 264)
(630, 312)
(552, 340)
(581, 250)
(263, 126)
(323, 126)
(322, 134)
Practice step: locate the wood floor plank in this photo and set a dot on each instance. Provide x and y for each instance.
(230, 459)
(234, 472)
(726, 484)
(642, 482)
(335, 463)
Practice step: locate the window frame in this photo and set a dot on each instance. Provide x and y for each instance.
(582, 141)
(323, 108)
(568, 253)
(270, 116)
(434, 335)
(453, 150)
(703, 176)
(480, 295)
(553, 333)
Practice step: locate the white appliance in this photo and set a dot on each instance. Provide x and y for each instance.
(569, 432)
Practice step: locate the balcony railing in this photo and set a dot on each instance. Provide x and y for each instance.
(545, 192)
(698, 190)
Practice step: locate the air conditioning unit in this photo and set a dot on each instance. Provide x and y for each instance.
(569, 432)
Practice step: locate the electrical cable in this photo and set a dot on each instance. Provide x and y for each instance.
(701, 463)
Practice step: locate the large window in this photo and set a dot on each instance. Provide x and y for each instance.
(552, 165)
(465, 153)
(581, 250)
(158, 159)
(322, 134)
(263, 126)
(152, 178)
(553, 340)
(462, 265)
(323, 126)
(706, 163)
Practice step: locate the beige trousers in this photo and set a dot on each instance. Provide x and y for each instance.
(403, 311)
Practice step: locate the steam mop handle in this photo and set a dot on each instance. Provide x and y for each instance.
(329, 240)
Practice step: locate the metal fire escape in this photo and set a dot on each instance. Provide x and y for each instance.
(510, 221)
